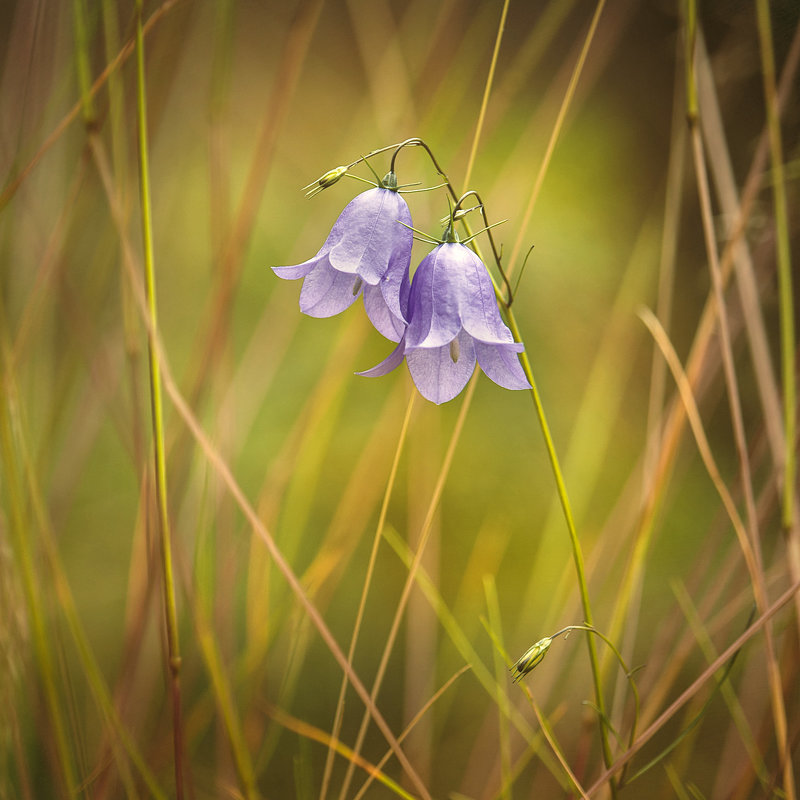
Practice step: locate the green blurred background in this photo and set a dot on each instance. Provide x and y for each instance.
(247, 102)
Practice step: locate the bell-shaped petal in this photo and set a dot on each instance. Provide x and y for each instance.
(440, 373)
(392, 361)
(454, 321)
(327, 292)
(368, 247)
(434, 301)
(500, 363)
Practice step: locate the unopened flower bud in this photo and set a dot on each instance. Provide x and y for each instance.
(531, 658)
(328, 179)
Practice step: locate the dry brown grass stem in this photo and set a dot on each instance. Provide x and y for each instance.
(215, 331)
(754, 561)
(223, 471)
(551, 144)
(75, 112)
(413, 724)
(424, 536)
(339, 713)
(554, 746)
(688, 693)
(486, 94)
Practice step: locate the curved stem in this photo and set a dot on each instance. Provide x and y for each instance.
(628, 675)
(416, 142)
(496, 255)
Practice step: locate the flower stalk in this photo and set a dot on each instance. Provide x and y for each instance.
(783, 258)
(156, 405)
(451, 323)
(577, 551)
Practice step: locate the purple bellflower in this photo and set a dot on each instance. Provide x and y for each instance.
(454, 322)
(368, 251)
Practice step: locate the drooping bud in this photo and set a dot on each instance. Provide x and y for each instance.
(531, 658)
(328, 179)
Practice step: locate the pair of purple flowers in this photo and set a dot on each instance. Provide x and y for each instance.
(444, 321)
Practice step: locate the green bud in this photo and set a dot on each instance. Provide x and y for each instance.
(328, 179)
(531, 658)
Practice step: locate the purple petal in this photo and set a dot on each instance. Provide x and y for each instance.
(479, 313)
(395, 286)
(301, 270)
(436, 375)
(372, 239)
(386, 323)
(296, 271)
(501, 364)
(327, 292)
(433, 302)
(389, 363)
(366, 244)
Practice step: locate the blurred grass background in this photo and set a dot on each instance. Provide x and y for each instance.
(247, 102)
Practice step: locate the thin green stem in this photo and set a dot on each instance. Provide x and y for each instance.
(577, 552)
(784, 258)
(21, 542)
(91, 667)
(493, 611)
(373, 557)
(486, 93)
(82, 60)
(559, 123)
(226, 704)
(628, 674)
(560, 485)
(173, 644)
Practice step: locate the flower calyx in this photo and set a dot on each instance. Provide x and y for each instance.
(389, 181)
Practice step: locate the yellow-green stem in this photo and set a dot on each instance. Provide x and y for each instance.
(227, 706)
(500, 671)
(91, 668)
(173, 646)
(784, 257)
(21, 542)
(577, 552)
(82, 60)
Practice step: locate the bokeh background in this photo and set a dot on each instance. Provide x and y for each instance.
(247, 102)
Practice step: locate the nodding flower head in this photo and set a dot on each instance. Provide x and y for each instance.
(368, 251)
(454, 322)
